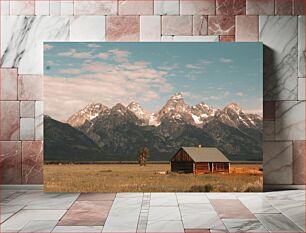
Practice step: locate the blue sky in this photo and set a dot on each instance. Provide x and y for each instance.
(78, 74)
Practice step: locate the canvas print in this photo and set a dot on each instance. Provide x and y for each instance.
(153, 117)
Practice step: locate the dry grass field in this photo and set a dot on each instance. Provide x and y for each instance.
(133, 178)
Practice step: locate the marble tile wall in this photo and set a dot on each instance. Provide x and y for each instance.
(279, 24)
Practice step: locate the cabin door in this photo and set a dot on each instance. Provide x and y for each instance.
(211, 167)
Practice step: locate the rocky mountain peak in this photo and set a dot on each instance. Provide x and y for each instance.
(175, 110)
(90, 112)
(177, 96)
(233, 106)
(119, 108)
(138, 110)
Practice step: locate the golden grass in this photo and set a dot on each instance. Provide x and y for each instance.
(133, 178)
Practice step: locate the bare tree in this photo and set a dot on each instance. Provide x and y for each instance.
(143, 155)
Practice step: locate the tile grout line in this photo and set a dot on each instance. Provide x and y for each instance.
(145, 204)
(180, 211)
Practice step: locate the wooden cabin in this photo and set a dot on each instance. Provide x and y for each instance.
(200, 160)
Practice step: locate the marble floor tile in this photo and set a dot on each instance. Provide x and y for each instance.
(15, 194)
(195, 230)
(160, 213)
(91, 213)
(8, 210)
(296, 195)
(199, 207)
(237, 225)
(74, 229)
(231, 209)
(163, 199)
(221, 196)
(39, 226)
(123, 217)
(129, 195)
(257, 205)
(294, 210)
(278, 223)
(4, 194)
(127, 202)
(218, 226)
(192, 198)
(40, 200)
(205, 217)
(165, 226)
(97, 197)
(23, 217)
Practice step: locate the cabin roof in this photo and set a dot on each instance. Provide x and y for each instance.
(205, 154)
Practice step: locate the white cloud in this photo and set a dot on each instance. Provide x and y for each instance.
(103, 56)
(193, 66)
(105, 83)
(120, 55)
(258, 111)
(226, 60)
(205, 61)
(239, 94)
(93, 46)
(70, 71)
(47, 47)
(75, 54)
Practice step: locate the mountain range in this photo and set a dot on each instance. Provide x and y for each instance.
(120, 131)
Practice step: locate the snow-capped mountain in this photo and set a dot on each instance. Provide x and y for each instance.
(120, 131)
(175, 110)
(137, 109)
(87, 114)
(234, 116)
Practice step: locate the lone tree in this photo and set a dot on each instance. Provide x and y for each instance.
(143, 155)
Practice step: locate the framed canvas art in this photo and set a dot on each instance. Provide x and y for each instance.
(153, 117)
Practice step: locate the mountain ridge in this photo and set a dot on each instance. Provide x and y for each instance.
(120, 131)
(175, 107)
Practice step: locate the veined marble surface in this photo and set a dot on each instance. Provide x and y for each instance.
(167, 7)
(22, 40)
(277, 162)
(190, 38)
(33, 211)
(301, 46)
(279, 35)
(290, 120)
(87, 28)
